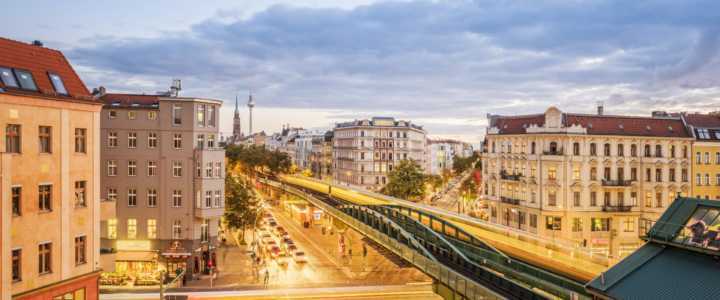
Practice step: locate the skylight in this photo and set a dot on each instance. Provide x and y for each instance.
(57, 84)
(7, 78)
(26, 80)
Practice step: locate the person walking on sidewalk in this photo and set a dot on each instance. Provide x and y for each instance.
(267, 277)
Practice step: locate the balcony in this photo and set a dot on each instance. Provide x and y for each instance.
(553, 152)
(512, 201)
(617, 208)
(617, 183)
(209, 212)
(514, 177)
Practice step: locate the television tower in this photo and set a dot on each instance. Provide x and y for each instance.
(250, 104)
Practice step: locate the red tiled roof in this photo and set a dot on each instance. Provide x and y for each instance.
(39, 61)
(703, 120)
(599, 125)
(129, 99)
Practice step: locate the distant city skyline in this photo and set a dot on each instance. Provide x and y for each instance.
(442, 64)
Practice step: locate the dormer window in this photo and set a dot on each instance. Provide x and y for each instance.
(7, 78)
(57, 83)
(26, 80)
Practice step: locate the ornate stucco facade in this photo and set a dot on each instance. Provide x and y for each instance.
(587, 179)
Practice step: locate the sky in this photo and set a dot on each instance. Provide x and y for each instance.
(441, 64)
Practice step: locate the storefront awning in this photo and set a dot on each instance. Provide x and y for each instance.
(136, 256)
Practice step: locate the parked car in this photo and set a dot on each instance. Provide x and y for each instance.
(275, 251)
(299, 257)
(270, 244)
(291, 248)
(279, 230)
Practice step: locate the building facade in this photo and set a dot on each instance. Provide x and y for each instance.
(705, 128)
(49, 165)
(164, 169)
(588, 179)
(440, 154)
(364, 151)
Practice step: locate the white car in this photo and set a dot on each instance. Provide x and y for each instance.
(299, 257)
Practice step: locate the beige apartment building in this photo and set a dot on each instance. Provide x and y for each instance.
(589, 179)
(163, 167)
(49, 170)
(364, 151)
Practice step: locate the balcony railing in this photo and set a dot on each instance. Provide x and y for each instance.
(512, 201)
(616, 182)
(555, 152)
(617, 208)
(515, 177)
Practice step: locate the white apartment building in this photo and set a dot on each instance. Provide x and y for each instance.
(440, 154)
(364, 151)
(585, 178)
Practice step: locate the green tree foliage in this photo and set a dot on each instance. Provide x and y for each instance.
(254, 158)
(406, 181)
(242, 207)
(469, 188)
(462, 164)
(435, 181)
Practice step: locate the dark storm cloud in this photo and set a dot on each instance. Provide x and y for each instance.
(444, 59)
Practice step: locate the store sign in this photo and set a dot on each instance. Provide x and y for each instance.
(133, 245)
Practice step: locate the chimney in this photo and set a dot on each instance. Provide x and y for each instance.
(175, 88)
(600, 108)
(37, 43)
(99, 92)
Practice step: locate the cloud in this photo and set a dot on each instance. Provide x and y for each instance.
(452, 60)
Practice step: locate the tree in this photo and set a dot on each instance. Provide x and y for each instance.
(405, 181)
(462, 164)
(241, 205)
(435, 181)
(253, 159)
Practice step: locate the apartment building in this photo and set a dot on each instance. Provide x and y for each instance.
(164, 169)
(304, 143)
(441, 152)
(364, 151)
(584, 178)
(49, 165)
(705, 129)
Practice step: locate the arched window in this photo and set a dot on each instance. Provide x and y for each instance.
(647, 151)
(553, 148)
(576, 148)
(658, 151)
(606, 149)
(633, 150)
(593, 149)
(532, 148)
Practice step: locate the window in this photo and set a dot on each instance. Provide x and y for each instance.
(132, 229)
(532, 148)
(111, 167)
(606, 199)
(16, 265)
(152, 115)
(177, 114)
(177, 168)
(205, 231)
(80, 193)
(633, 150)
(648, 199)
(201, 141)
(672, 151)
(208, 199)
(717, 158)
(132, 168)
(658, 151)
(593, 173)
(533, 220)
(7, 77)
(112, 228)
(658, 175)
(698, 179)
(26, 80)
(576, 148)
(209, 169)
(621, 150)
(606, 149)
(593, 149)
(151, 229)
(552, 173)
(552, 198)
(12, 138)
(177, 229)
(211, 141)
(112, 114)
(132, 197)
(132, 139)
(177, 198)
(553, 148)
(218, 199)
(576, 173)
(211, 115)
(57, 84)
(599, 224)
(629, 224)
(593, 198)
(620, 199)
(16, 196)
(553, 223)
(648, 174)
(577, 225)
(218, 169)
(132, 115)
(44, 135)
(151, 197)
(80, 246)
(576, 199)
(647, 151)
(80, 140)
(45, 197)
(684, 175)
(606, 174)
(111, 194)
(112, 139)
(633, 174)
(671, 175)
(177, 141)
(44, 255)
(151, 168)
(707, 158)
(201, 115)
(658, 200)
(152, 140)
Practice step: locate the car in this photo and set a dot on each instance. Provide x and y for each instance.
(291, 248)
(275, 251)
(299, 257)
(287, 240)
(279, 230)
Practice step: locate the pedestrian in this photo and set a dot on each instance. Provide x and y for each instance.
(267, 277)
